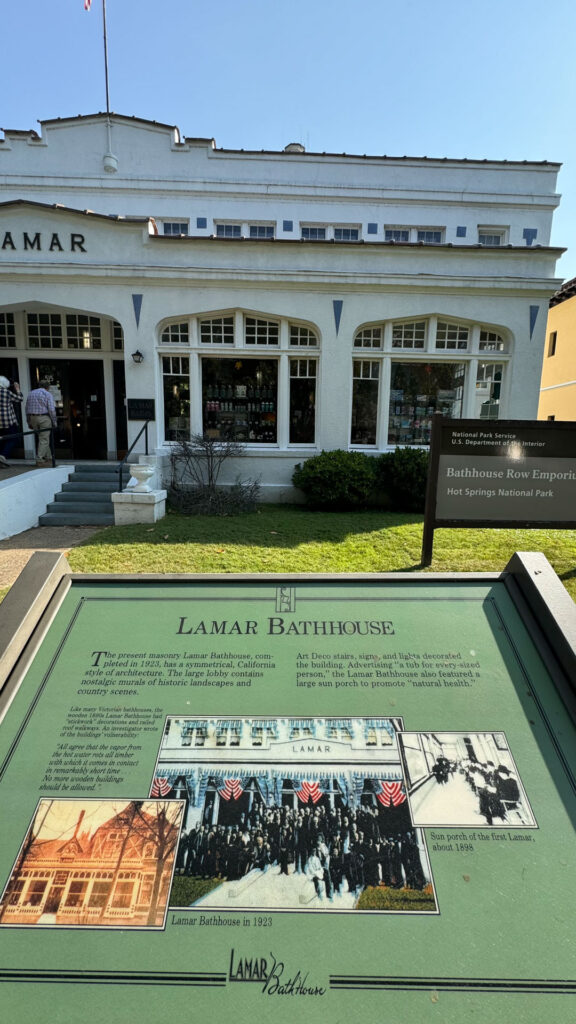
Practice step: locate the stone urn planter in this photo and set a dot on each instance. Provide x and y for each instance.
(139, 481)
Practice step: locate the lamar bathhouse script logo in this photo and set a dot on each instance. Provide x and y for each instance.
(273, 975)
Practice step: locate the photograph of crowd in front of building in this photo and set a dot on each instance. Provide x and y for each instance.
(465, 779)
(293, 814)
(95, 863)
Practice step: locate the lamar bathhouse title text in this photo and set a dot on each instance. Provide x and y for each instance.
(276, 625)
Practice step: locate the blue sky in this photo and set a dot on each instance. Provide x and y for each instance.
(491, 80)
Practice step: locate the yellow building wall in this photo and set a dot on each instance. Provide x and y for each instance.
(558, 384)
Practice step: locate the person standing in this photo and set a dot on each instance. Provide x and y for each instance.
(10, 398)
(41, 416)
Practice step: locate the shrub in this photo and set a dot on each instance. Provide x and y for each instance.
(400, 477)
(336, 479)
(195, 468)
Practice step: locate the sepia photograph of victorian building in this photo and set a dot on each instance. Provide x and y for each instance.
(95, 863)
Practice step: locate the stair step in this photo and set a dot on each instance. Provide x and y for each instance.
(96, 467)
(85, 497)
(64, 507)
(91, 486)
(76, 519)
(100, 478)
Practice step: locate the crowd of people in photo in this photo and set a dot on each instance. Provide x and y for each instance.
(338, 850)
(495, 786)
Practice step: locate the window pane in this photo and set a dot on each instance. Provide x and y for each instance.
(410, 335)
(365, 390)
(490, 341)
(176, 383)
(173, 227)
(396, 234)
(83, 331)
(346, 234)
(117, 336)
(370, 337)
(175, 333)
(44, 330)
(302, 336)
(261, 231)
(417, 391)
(488, 386)
(219, 331)
(7, 331)
(239, 399)
(430, 237)
(302, 401)
(451, 336)
(99, 894)
(314, 234)
(261, 332)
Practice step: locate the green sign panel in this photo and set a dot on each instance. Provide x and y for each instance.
(499, 473)
(350, 799)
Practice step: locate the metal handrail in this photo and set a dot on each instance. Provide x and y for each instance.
(134, 442)
(27, 433)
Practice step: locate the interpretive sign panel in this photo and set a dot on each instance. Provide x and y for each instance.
(243, 798)
(494, 473)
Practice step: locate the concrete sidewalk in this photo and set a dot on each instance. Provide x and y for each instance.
(15, 551)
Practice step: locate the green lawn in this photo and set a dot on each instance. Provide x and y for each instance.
(286, 538)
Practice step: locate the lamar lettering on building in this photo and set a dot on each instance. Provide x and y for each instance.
(35, 241)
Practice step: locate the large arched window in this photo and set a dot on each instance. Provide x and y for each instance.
(253, 377)
(405, 371)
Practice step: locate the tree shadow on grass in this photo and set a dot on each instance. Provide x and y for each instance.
(270, 527)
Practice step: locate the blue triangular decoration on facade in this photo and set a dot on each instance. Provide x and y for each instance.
(337, 303)
(534, 310)
(137, 303)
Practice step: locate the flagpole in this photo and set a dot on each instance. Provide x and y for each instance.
(105, 56)
(110, 161)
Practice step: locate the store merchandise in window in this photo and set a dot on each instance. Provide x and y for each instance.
(417, 391)
(239, 399)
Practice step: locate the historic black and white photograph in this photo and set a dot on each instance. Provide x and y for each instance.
(97, 863)
(466, 779)
(293, 814)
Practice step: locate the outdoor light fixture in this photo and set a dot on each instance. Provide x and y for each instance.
(137, 356)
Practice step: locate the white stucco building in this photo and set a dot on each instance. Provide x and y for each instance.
(297, 301)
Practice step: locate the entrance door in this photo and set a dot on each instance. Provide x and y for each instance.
(77, 387)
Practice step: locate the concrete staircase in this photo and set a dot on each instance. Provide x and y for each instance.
(85, 499)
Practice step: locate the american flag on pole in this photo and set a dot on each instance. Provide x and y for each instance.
(87, 5)
(232, 789)
(160, 787)
(391, 793)
(309, 791)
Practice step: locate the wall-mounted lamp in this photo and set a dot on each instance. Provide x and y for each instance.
(138, 356)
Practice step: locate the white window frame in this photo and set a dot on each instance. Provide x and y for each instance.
(492, 235)
(474, 354)
(414, 231)
(173, 228)
(282, 352)
(350, 229)
(314, 227)
(228, 229)
(261, 231)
